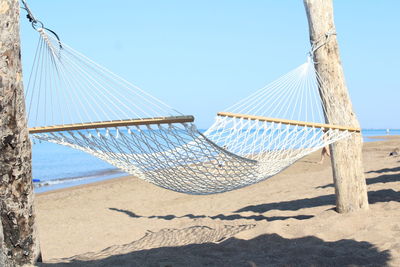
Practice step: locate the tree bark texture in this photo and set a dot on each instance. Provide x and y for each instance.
(20, 241)
(4, 261)
(346, 155)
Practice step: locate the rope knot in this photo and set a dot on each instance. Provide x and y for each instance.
(323, 40)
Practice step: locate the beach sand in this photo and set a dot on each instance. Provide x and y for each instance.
(287, 220)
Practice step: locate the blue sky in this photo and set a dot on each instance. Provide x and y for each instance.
(202, 56)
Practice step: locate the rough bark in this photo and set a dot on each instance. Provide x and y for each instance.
(346, 155)
(20, 242)
(4, 261)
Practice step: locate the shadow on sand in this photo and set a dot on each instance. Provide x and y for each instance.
(373, 197)
(219, 216)
(206, 246)
(385, 178)
(385, 195)
(264, 250)
(395, 169)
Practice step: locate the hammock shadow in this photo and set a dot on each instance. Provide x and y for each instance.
(385, 195)
(395, 169)
(385, 178)
(263, 250)
(221, 217)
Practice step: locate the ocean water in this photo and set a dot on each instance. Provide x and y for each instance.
(56, 166)
(378, 132)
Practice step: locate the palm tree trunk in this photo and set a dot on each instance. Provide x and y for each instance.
(19, 240)
(347, 166)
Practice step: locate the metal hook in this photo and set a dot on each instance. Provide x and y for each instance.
(37, 24)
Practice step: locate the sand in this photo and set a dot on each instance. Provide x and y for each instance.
(287, 220)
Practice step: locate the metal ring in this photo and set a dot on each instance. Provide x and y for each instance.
(36, 24)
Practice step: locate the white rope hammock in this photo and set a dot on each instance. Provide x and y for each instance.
(75, 102)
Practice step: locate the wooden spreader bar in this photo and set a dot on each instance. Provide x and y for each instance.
(289, 122)
(107, 124)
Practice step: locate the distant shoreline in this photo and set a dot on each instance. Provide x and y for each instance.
(386, 137)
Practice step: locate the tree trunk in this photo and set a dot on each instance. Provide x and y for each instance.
(346, 155)
(4, 262)
(20, 242)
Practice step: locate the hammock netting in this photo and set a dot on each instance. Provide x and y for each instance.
(243, 146)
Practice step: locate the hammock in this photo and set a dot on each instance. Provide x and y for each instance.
(75, 102)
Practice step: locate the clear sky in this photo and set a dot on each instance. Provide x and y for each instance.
(202, 56)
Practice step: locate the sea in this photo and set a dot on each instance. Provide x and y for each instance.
(56, 167)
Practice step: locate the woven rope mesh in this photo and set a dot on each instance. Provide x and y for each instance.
(66, 87)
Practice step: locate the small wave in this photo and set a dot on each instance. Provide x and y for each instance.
(92, 175)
